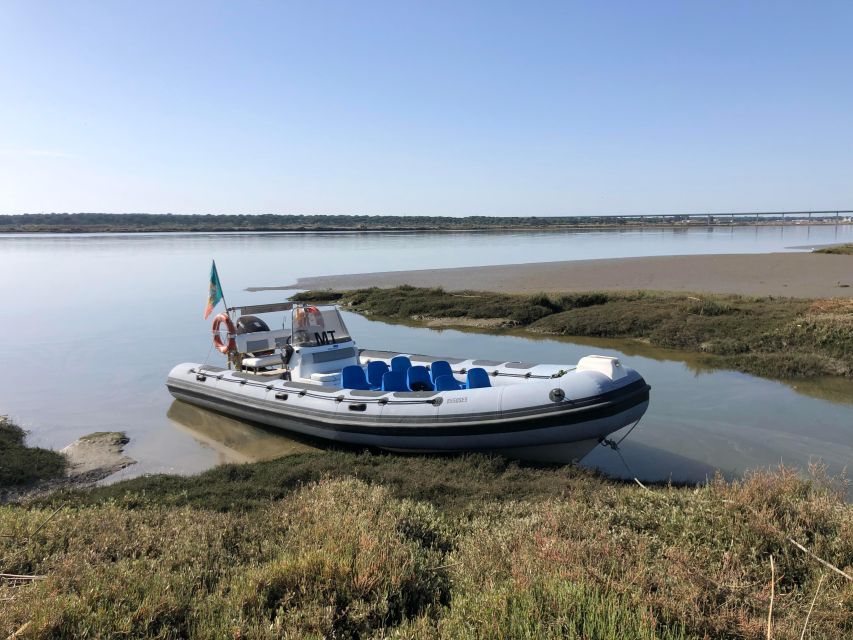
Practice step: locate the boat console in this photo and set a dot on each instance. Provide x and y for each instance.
(313, 344)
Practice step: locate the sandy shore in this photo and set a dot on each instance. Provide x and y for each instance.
(801, 275)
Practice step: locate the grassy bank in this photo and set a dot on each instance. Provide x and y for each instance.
(20, 465)
(349, 545)
(841, 249)
(775, 337)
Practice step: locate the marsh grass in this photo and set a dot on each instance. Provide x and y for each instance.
(21, 465)
(451, 483)
(841, 249)
(775, 337)
(387, 546)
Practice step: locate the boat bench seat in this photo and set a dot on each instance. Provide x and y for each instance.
(263, 361)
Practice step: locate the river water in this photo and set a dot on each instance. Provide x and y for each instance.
(93, 323)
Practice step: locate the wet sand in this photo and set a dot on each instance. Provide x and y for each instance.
(799, 275)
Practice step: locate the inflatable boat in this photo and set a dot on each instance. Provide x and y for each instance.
(310, 377)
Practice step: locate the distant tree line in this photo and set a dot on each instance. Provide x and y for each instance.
(141, 222)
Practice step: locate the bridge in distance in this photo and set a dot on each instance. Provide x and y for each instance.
(840, 216)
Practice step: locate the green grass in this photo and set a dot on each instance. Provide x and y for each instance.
(21, 465)
(841, 249)
(774, 337)
(347, 545)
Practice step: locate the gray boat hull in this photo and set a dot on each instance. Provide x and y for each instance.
(423, 421)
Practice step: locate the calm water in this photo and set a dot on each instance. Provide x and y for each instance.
(94, 323)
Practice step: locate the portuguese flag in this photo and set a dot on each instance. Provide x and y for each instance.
(215, 292)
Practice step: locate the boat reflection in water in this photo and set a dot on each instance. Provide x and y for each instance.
(239, 441)
(235, 440)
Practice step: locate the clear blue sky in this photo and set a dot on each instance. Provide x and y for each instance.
(435, 108)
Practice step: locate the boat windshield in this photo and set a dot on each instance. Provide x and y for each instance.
(318, 326)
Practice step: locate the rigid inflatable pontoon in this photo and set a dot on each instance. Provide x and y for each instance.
(311, 378)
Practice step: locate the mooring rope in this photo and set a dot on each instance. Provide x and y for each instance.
(614, 444)
(207, 357)
(608, 442)
(629, 432)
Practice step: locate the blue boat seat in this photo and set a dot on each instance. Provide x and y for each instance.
(353, 377)
(375, 370)
(394, 381)
(417, 379)
(447, 383)
(478, 378)
(439, 368)
(400, 363)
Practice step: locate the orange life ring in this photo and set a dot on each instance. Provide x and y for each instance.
(302, 314)
(224, 347)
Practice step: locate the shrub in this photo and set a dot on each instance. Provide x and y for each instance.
(529, 314)
(579, 300)
(317, 296)
(544, 301)
(21, 465)
(706, 307)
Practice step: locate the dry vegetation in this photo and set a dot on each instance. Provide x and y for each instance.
(776, 337)
(344, 545)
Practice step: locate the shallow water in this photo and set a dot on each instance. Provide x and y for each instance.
(94, 323)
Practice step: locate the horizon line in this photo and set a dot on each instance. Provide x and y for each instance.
(437, 216)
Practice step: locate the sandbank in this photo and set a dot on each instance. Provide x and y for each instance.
(798, 275)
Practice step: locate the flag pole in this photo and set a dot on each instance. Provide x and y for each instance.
(223, 295)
